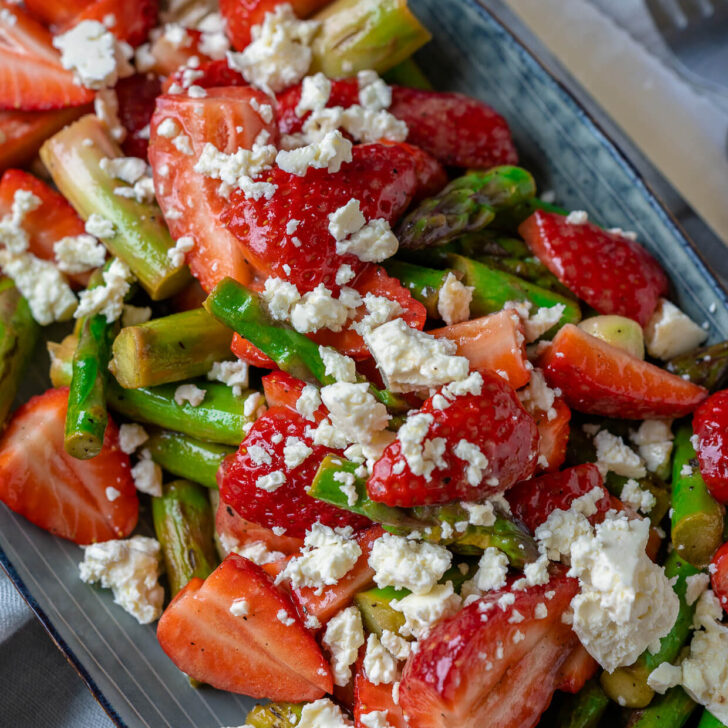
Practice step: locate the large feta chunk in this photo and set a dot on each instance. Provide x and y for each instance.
(379, 665)
(654, 442)
(670, 332)
(329, 153)
(78, 253)
(343, 637)
(453, 302)
(354, 410)
(322, 714)
(613, 454)
(422, 611)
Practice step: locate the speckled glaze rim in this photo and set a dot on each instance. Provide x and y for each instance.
(619, 157)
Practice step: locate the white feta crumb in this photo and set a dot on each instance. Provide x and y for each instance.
(308, 402)
(476, 461)
(256, 551)
(183, 144)
(112, 494)
(613, 454)
(239, 608)
(315, 93)
(285, 618)
(480, 514)
(182, 246)
(354, 410)
(295, 452)
(346, 220)
(348, 488)
(343, 637)
(329, 153)
(322, 714)
(422, 611)
(99, 226)
(670, 332)
(654, 442)
(279, 296)
(189, 393)
(318, 309)
(695, 587)
(168, 128)
(342, 368)
(398, 646)
(272, 481)
(147, 475)
(232, 373)
(636, 497)
(491, 574)
(131, 437)
(379, 311)
(453, 303)
(372, 243)
(577, 217)
(379, 665)
(374, 93)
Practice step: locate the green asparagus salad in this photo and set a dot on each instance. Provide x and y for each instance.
(421, 448)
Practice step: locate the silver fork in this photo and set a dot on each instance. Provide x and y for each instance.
(697, 33)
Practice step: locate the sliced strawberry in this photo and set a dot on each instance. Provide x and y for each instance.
(710, 424)
(54, 13)
(579, 667)
(207, 75)
(610, 272)
(63, 495)
(288, 506)
(553, 435)
(265, 653)
(534, 500)
(242, 15)
(244, 350)
(283, 390)
(374, 280)
(325, 602)
(492, 342)
(169, 54)
(23, 132)
(136, 95)
(600, 379)
(189, 200)
(48, 223)
(382, 177)
(719, 575)
(132, 19)
(493, 421)
(482, 667)
(31, 75)
(369, 698)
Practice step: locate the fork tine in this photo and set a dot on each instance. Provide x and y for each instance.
(667, 14)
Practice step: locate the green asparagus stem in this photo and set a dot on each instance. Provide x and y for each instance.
(376, 611)
(670, 710)
(584, 709)
(435, 524)
(359, 34)
(697, 519)
(86, 417)
(140, 237)
(424, 284)
(508, 219)
(708, 720)
(409, 74)
(530, 269)
(467, 204)
(628, 685)
(169, 349)
(186, 456)
(494, 288)
(707, 366)
(221, 417)
(18, 335)
(275, 715)
(184, 524)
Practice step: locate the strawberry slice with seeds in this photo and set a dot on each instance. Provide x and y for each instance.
(612, 273)
(128, 20)
(579, 667)
(479, 445)
(597, 378)
(207, 75)
(369, 698)
(136, 96)
(709, 424)
(719, 575)
(53, 13)
(85, 501)
(256, 482)
(237, 632)
(489, 665)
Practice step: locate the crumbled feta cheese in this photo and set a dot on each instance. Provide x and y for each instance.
(254, 405)
(364, 125)
(491, 574)
(112, 493)
(183, 144)
(343, 637)
(328, 435)
(379, 311)
(285, 618)
(239, 608)
(379, 666)
(577, 217)
(272, 481)
(422, 611)
(453, 303)
(127, 169)
(315, 93)
(322, 714)
(477, 463)
(654, 442)
(421, 454)
(78, 253)
(279, 297)
(147, 475)
(346, 220)
(342, 368)
(107, 299)
(318, 309)
(542, 321)
(98, 60)
(695, 586)
(537, 396)
(232, 373)
(354, 410)
(664, 677)
(480, 514)
(398, 646)
(373, 91)
(279, 53)
(410, 359)
(256, 551)
(99, 226)
(638, 498)
(348, 488)
(169, 129)
(308, 402)
(295, 452)
(12, 234)
(613, 454)
(375, 719)
(413, 565)
(670, 332)
(106, 108)
(472, 384)
(259, 455)
(372, 243)
(182, 246)
(189, 393)
(130, 568)
(131, 437)
(329, 153)
(326, 556)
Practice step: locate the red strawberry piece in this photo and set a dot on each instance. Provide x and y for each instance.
(133, 19)
(282, 389)
(553, 435)
(31, 75)
(613, 274)
(533, 501)
(264, 653)
(207, 75)
(48, 223)
(189, 200)
(382, 177)
(288, 506)
(481, 667)
(599, 379)
(719, 575)
(23, 132)
(369, 698)
(54, 13)
(242, 15)
(710, 424)
(494, 421)
(455, 129)
(579, 667)
(63, 495)
(244, 350)
(136, 95)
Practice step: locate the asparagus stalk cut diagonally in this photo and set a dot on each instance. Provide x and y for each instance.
(140, 237)
(670, 710)
(169, 349)
(409, 74)
(275, 715)
(708, 720)
(584, 709)
(706, 366)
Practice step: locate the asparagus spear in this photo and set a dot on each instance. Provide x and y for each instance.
(628, 685)
(467, 204)
(359, 34)
(508, 219)
(275, 715)
(670, 710)
(86, 417)
(697, 519)
(424, 284)
(139, 238)
(494, 288)
(18, 335)
(408, 73)
(584, 709)
(530, 269)
(184, 524)
(435, 524)
(707, 366)
(169, 349)
(376, 611)
(708, 720)
(221, 417)
(186, 456)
